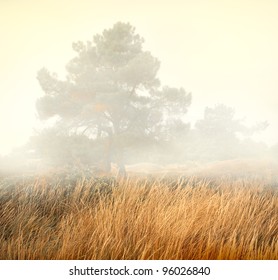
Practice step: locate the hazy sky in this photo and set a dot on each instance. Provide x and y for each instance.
(223, 51)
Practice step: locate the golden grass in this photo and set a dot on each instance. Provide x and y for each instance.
(139, 219)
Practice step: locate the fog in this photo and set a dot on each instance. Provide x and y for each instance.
(183, 87)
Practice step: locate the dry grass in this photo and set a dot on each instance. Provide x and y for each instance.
(139, 219)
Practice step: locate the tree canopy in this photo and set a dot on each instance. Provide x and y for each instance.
(111, 93)
(219, 133)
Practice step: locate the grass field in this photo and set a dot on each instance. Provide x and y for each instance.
(138, 218)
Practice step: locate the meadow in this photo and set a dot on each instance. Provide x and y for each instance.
(138, 218)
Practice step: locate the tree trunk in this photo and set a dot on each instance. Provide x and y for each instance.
(120, 163)
(108, 154)
(119, 150)
(107, 165)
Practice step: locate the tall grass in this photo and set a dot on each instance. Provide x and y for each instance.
(139, 219)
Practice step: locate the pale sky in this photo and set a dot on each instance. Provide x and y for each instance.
(222, 51)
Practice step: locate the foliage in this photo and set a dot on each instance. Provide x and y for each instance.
(218, 134)
(220, 122)
(60, 149)
(112, 93)
(274, 152)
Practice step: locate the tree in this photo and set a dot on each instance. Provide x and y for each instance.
(274, 152)
(112, 94)
(58, 149)
(219, 132)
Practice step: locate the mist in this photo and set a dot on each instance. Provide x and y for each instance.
(177, 97)
(139, 130)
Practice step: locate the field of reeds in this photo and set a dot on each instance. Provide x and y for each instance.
(138, 218)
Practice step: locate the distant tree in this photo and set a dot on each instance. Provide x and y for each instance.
(219, 132)
(274, 152)
(112, 94)
(58, 148)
